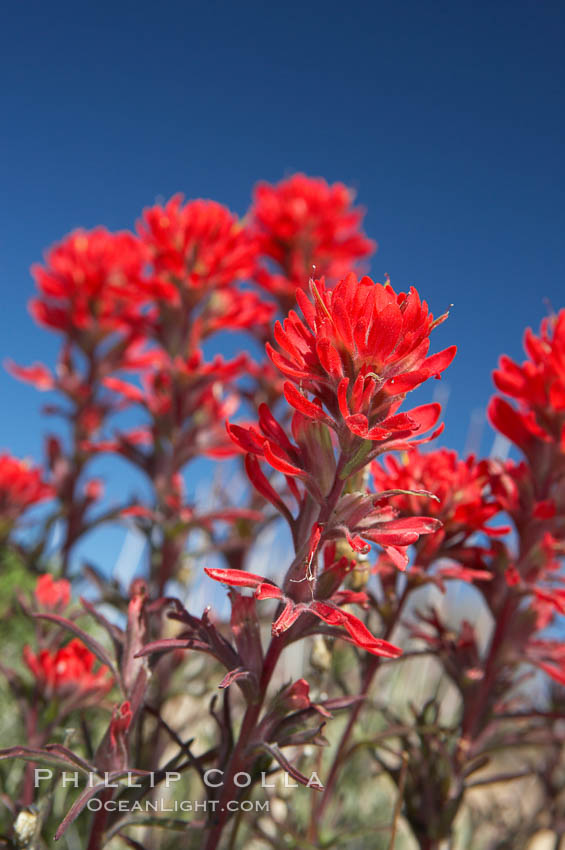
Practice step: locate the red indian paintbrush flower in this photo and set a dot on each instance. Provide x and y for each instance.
(538, 386)
(360, 349)
(21, 486)
(68, 671)
(197, 245)
(90, 283)
(460, 499)
(454, 491)
(307, 227)
(52, 594)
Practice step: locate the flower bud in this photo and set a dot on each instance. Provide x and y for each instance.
(24, 828)
(320, 655)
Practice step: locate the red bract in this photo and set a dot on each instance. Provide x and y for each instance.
(538, 386)
(198, 245)
(458, 649)
(186, 395)
(52, 594)
(361, 348)
(231, 309)
(68, 671)
(519, 488)
(21, 487)
(361, 517)
(549, 656)
(309, 460)
(520, 427)
(120, 723)
(327, 610)
(309, 228)
(90, 284)
(37, 374)
(271, 442)
(112, 752)
(517, 491)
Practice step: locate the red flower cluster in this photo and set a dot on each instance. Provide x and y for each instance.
(360, 339)
(91, 284)
(361, 349)
(457, 494)
(21, 486)
(145, 304)
(460, 500)
(532, 492)
(68, 671)
(538, 386)
(198, 245)
(136, 313)
(309, 229)
(52, 594)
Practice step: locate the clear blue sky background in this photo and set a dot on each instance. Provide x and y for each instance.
(447, 117)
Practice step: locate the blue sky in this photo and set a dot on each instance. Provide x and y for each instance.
(448, 118)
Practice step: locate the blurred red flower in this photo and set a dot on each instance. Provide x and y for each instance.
(310, 229)
(68, 671)
(52, 594)
(538, 387)
(90, 282)
(21, 486)
(197, 245)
